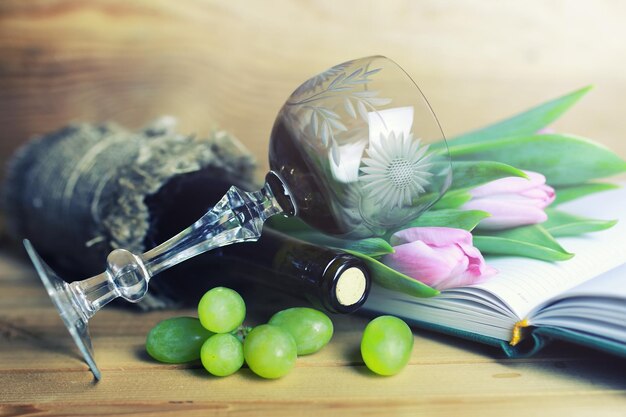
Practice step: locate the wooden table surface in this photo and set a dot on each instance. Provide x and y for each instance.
(231, 64)
(41, 372)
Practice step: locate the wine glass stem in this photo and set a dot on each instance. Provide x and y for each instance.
(237, 217)
(90, 295)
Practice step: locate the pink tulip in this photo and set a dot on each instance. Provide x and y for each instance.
(512, 201)
(441, 257)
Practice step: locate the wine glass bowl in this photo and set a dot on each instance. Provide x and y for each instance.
(355, 151)
(360, 149)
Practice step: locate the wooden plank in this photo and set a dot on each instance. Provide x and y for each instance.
(43, 373)
(314, 384)
(14, 270)
(119, 335)
(233, 64)
(439, 375)
(58, 352)
(45, 337)
(552, 405)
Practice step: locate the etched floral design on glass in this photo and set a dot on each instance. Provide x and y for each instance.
(362, 146)
(396, 170)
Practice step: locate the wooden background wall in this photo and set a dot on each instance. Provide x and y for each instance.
(232, 63)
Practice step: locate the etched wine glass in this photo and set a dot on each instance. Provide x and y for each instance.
(355, 151)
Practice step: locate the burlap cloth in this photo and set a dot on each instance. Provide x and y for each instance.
(84, 190)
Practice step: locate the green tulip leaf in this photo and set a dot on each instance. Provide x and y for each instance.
(373, 246)
(452, 199)
(459, 219)
(561, 224)
(469, 174)
(525, 123)
(287, 224)
(394, 280)
(527, 241)
(297, 229)
(563, 159)
(572, 192)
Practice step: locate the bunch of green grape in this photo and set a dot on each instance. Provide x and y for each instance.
(219, 340)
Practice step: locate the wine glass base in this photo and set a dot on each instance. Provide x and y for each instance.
(60, 294)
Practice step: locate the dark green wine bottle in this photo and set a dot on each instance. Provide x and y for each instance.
(328, 278)
(340, 282)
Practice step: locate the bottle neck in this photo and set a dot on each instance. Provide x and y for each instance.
(337, 281)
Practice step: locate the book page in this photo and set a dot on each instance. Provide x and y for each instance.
(611, 284)
(596, 307)
(523, 284)
(461, 310)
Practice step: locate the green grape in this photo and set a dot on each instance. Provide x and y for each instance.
(311, 329)
(270, 351)
(386, 345)
(221, 310)
(176, 340)
(222, 354)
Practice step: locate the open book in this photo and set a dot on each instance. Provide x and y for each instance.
(528, 302)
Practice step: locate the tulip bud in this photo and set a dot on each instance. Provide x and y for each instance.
(512, 201)
(441, 257)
